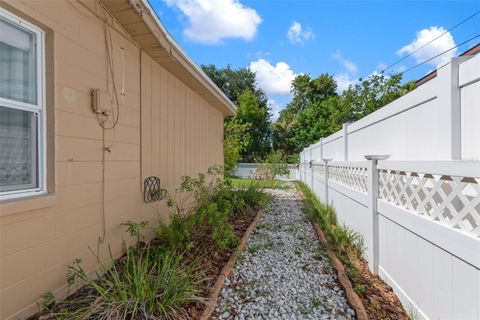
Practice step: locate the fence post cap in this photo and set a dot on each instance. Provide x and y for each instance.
(327, 160)
(377, 156)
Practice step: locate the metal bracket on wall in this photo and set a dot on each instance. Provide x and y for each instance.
(152, 191)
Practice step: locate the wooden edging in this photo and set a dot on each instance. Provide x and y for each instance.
(227, 269)
(352, 297)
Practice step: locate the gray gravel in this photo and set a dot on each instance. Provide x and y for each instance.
(284, 272)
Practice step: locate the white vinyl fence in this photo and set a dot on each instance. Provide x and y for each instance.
(418, 211)
(247, 170)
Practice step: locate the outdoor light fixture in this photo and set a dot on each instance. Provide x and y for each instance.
(377, 157)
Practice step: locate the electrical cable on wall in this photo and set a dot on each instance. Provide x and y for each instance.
(103, 120)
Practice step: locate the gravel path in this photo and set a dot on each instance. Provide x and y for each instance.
(284, 272)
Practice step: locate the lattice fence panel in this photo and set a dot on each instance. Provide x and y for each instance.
(319, 172)
(352, 177)
(451, 200)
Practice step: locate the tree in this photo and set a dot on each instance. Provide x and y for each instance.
(234, 82)
(251, 112)
(317, 111)
(372, 93)
(305, 119)
(235, 141)
(282, 135)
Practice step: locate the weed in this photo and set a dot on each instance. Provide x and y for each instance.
(316, 303)
(134, 228)
(359, 289)
(46, 300)
(261, 226)
(344, 237)
(353, 273)
(412, 312)
(254, 248)
(319, 254)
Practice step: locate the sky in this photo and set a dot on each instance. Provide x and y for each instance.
(279, 39)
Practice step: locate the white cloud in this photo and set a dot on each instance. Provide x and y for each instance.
(347, 64)
(344, 80)
(273, 79)
(211, 21)
(348, 76)
(439, 45)
(296, 34)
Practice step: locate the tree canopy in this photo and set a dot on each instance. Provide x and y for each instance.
(316, 110)
(253, 114)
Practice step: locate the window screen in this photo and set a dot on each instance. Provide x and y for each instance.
(21, 106)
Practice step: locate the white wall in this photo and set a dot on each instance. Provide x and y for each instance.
(440, 120)
(428, 246)
(425, 205)
(469, 82)
(247, 170)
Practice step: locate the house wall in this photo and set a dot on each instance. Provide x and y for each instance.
(165, 129)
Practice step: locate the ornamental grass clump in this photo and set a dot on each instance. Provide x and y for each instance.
(146, 283)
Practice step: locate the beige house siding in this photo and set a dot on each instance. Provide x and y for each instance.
(165, 129)
(181, 133)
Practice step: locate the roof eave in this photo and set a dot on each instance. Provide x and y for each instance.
(142, 23)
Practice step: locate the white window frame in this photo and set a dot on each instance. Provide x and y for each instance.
(38, 109)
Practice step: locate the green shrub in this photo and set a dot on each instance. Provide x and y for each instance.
(275, 163)
(209, 219)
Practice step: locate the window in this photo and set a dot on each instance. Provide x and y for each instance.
(22, 114)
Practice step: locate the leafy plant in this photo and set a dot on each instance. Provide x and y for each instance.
(236, 139)
(134, 228)
(353, 273)
(204, 207)
(274, 164)
(47, 300)
(359, 289)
